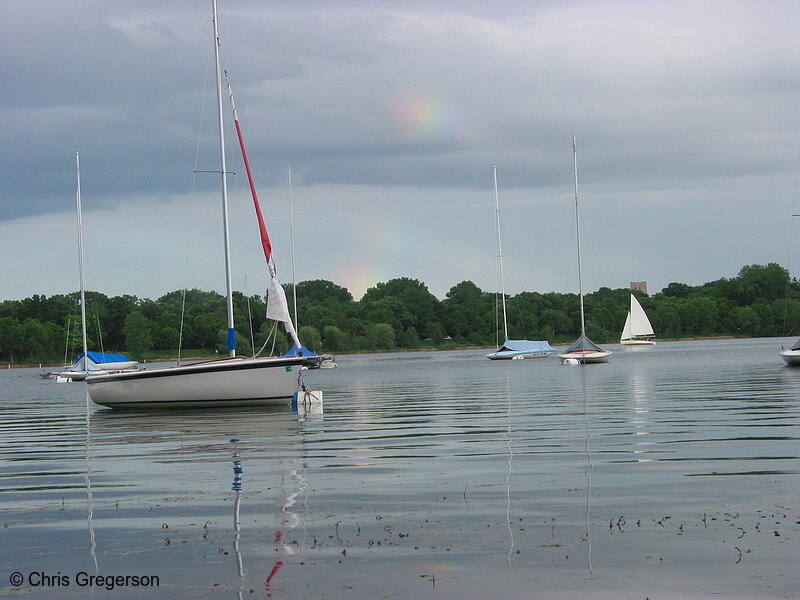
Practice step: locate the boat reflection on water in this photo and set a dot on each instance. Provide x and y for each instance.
(87, 480)
(286, 519)
(133, 448)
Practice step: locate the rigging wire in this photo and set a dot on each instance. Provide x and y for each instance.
(249, 317)
(183, 313)
(272, 334)
(200, 129)
(99, 333)
(66, 347)
(791, 232)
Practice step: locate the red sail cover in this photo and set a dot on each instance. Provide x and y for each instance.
(265, 243)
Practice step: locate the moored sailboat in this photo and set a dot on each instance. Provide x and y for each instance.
(88, 362)
(637, 330)
(513, 349)
(583, 350)
(235, 381)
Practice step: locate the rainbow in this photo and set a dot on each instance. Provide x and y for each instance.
(382, 245)
(423, 116)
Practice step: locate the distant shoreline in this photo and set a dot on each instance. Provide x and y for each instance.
(454, 348)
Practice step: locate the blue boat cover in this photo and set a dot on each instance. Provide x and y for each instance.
(526, 346)
(796, 345)
(104, 357)
(305, 352)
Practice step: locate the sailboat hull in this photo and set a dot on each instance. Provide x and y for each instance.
(792, 357)
(223, 383)
(586, 357)
(518, 355)
(637, 342)
(71, 376)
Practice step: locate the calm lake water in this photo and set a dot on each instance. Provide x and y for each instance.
(670, 472)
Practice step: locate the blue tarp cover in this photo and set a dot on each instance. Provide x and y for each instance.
(796, 345)
(303, 352)
(104, 357)
(526, 346)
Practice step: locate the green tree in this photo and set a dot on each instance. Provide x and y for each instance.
(36, 339)
(768, 282)
(666, 320)
(556, 322)
(677, 290)
(746, 320)
(789, 310)
(769, 319)
(435, 332)
(310, 337)
(413, 297)
(380, 336)
(408, 338)
(333, 339)
(138, 335)
(320, 290)
(167, 338)
(11, 339)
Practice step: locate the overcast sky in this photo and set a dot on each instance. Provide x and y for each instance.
(391, 115)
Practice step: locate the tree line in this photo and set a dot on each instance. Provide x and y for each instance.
(397, 314)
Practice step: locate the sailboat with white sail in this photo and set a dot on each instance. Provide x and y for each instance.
(637, 330)
(234, 381)
(512, 349)
(88, 362)
(583, 350)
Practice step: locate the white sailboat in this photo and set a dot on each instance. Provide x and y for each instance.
(513, 349)
(637, 329)
(88, 362)
(230, 382)
(583, 350)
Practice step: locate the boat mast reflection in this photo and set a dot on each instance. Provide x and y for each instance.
(587, 472)
(88, 482)
(238, 472)
(509, 470)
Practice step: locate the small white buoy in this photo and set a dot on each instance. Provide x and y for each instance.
(570, 361)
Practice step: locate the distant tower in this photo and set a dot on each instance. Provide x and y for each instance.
(639, 286)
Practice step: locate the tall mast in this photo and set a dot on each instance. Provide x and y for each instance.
(231, 346)
(291, 232)
(500, 251)
(578, 232)
(80, 259)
